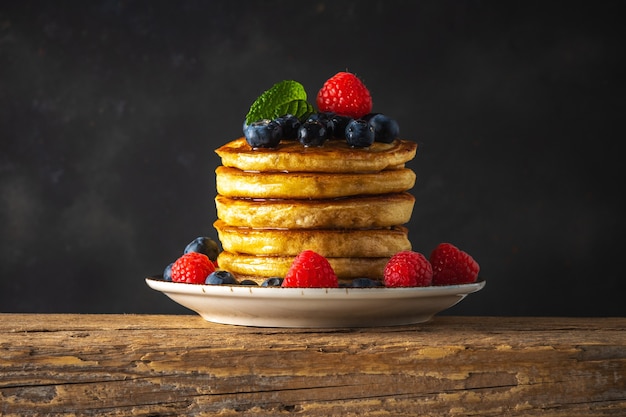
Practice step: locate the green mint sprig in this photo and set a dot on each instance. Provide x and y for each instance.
(285, 97)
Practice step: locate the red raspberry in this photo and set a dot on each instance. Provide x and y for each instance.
(452, 266)
(408, 269)
(345, 95)
(310, 269)
(192, 268)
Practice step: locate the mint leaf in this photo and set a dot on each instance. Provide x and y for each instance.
(299, 108)
(284, 97)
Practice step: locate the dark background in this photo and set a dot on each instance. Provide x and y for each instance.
(110, 112)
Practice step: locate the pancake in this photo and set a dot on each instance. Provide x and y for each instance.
(355, 212)
(233, 182)
(347, 204)
(331, 243)
(259, 268)
(335, 156)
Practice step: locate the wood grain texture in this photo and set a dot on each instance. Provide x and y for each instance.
(119, 365)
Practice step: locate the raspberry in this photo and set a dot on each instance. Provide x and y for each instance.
(408, 269)
(345, 95)
(192, 268)
(310, 269)
(452, 266)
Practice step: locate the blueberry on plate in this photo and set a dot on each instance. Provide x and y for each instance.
(167, 272)
(359, 134)
(366, 283)
(272, 282)
(205, 245)
(221, 277)
(248, 282)
(263, 134)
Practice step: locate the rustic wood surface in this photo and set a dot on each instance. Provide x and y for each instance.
(120, 365)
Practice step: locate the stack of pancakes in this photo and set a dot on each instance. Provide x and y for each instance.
(347, 204)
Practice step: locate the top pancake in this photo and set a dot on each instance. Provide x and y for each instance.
(335, 156)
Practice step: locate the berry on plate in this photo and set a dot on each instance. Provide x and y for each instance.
(345, 95)
(452, 266)
(365, 283)
(167, 272)
(272, 282)
(205, 245)
(408, 269)
(192, 268)
(310, 269)
(220, 277)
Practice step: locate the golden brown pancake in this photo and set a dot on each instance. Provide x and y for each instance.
(335, 156)
(347, 204)
(354, 212)
(233, 182)
(259, 268)
(331, 243)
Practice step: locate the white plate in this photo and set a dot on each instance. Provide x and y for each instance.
(314, 307)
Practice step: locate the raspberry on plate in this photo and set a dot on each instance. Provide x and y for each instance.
(408, 269)
(310, 269)
(192, 268)
(452, 266)
(345, 95)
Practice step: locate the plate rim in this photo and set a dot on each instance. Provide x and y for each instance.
(256, 306)
(314, 293)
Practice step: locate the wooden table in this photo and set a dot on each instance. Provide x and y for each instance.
(120, 365)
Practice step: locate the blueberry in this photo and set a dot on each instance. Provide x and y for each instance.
(263, 134)
(290, 125)
(167, 272)
(339, 125)
(326, 119)
(368, 116)
(386, 129)
(359, 134)
(312, 133)
(320, 117)
(366, 282)
(272, 282)
(203, 245)
(220, 277)
(248, 282)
